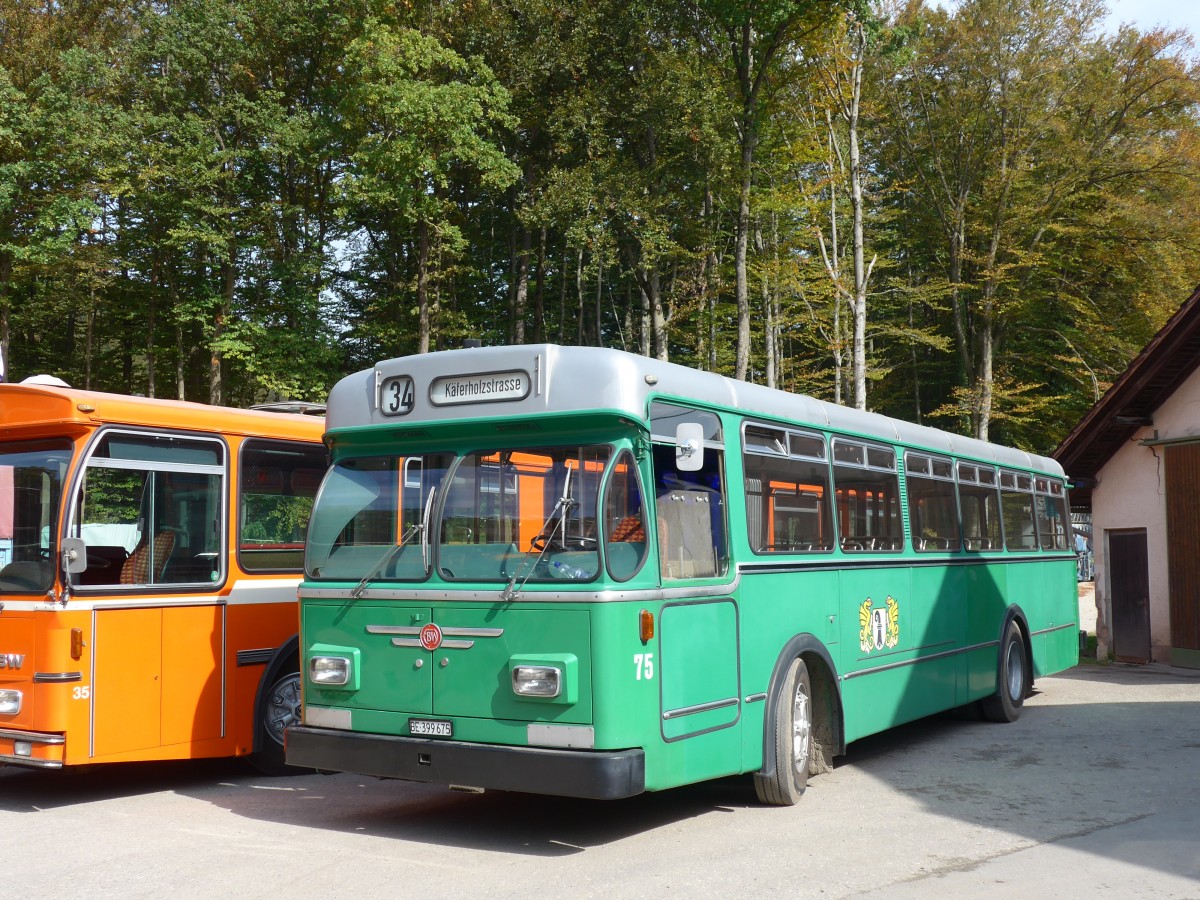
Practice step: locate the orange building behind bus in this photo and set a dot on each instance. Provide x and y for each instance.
(149, 556)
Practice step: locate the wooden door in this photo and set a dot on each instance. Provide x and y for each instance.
(1183, 551)
(1129, 581)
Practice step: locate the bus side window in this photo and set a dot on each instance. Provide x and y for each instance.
(867, 492)
(150, 510)
(276, 485)
(625, 519)
(691, 516)
(1016, 509)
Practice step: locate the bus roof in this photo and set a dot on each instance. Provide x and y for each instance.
(541, 379)
(27, 409)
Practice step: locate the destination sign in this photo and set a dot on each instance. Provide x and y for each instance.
(489, 387)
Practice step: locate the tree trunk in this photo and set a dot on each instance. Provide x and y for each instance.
(742, 284)
(521, 295)
(579, 296)
(539, 293)
(220, 323)
(5, 293)
(424, 328)
(862, 272)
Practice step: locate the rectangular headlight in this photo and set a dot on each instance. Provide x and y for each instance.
(10, 703)
(537, 681)
(329, 670)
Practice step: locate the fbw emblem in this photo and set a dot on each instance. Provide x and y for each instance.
(878, 627)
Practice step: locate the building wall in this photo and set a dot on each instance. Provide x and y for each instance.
(1129, 493)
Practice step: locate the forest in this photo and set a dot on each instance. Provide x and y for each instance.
(970, 215)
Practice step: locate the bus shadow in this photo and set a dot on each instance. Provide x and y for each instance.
(498, 821)
(1110, 780)
(31, 790)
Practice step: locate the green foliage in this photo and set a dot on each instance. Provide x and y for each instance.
(245, 199)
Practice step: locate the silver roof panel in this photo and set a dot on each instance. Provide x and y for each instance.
(564, 379)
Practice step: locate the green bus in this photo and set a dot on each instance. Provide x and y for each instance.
(582, 572)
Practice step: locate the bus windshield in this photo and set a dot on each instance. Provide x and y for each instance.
(31, 479)
(490, 516)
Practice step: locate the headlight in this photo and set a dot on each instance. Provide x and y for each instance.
(10, 703)
(329, 670)
(537, 681)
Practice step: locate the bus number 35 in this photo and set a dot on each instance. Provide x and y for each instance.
(643, 663)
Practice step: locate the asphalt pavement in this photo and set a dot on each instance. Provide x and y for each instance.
(1094, 792)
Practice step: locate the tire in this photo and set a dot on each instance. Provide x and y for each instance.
(1012, 679)
(280, 708)
(793, 740)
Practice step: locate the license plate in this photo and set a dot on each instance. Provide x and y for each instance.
(429, 727)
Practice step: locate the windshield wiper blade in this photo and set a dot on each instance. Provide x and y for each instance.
(358, 589)
(561, 507)
(415, 528)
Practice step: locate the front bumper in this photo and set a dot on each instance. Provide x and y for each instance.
(44, 751)
(591, 774)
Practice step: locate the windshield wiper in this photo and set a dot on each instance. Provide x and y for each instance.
(416, 527)
(561, 507)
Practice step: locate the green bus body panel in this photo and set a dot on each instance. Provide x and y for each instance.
(474, 682)
(390, 678)
(699, 667)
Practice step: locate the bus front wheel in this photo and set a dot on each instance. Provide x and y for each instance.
(1012, 679)
(793, 740)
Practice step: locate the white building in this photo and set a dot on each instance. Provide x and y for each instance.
(1135, 461)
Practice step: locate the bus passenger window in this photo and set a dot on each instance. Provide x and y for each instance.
(867, 492)
(1051, 508)
(787, 491)
(932, 505)
(980, 504)
(1016, 506)
(624, 519)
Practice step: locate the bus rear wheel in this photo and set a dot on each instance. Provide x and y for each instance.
(1012, 679)
(793, 740)
(280, 708)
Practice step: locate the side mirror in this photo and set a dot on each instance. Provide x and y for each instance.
(689, 447)
(74, 555)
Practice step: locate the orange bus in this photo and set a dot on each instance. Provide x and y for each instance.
(149, 557)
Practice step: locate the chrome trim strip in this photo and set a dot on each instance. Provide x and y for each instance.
(255, 657)
(756, 698)
(56, 677)
(92, 698)
(874, 560)
(1054, 628)
(37, 737)
(446, 645)
(225, 669)
(30, 763)
(473, 632)
(417, 594)
(699, 708)
(148, 602)
(393, 629)
(244, 591)
(913, 662)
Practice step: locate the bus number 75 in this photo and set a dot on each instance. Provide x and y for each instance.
(644, 664)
